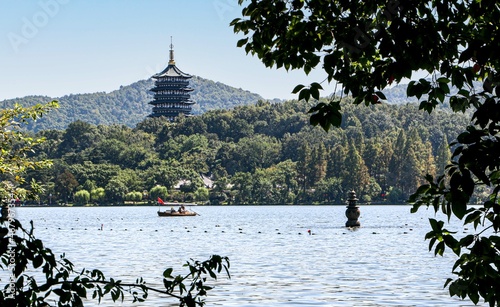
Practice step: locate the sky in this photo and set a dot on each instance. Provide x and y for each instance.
(61, 47)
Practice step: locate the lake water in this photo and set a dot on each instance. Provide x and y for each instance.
(274, 262)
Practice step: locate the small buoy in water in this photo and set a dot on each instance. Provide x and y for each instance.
(309, 231)
(259, 232)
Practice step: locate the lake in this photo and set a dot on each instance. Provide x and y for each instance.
(274, 261)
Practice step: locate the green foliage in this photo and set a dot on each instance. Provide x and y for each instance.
(365, 47)
(277, 140)
(15, 149)
(97, 194)
(201, 194)
(82, 197)
(37, 276)
(158, 191)
(133, 196)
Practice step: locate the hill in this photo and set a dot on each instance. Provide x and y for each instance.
(128, 105)
(263, 153)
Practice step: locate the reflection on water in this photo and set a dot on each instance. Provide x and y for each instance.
(274, 262)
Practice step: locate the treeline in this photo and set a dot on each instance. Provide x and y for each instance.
(266, 153)
(129, 104)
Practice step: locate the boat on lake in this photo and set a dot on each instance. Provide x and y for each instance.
(172, 212)
(176, 213)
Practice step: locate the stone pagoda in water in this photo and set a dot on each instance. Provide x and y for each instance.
(171, 91)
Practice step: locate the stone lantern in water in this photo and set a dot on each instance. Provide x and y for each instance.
(352, 213)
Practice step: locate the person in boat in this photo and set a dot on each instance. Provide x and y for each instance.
(182, 209)
(172, 210)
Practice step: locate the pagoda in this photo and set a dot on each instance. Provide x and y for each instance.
(171, 91)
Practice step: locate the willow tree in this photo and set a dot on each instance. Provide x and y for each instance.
(366, 46)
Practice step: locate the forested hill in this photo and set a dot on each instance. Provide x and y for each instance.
(129, 104)
(264, 153)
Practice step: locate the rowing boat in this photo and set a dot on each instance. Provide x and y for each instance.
(176, 213)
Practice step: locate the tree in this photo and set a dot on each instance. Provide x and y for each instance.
(37, 276)
(303, 165)
(82, 197)
(158, 191)
(65, 184)
(319, 163)
(201, 194)
(116, 189)
(356, 176)
(336, 160)
(443, 156)
(14, 156)
(78, 136)
(367, 46)
(397, 160)
(97, 194)
(330, 190)
(133, 196)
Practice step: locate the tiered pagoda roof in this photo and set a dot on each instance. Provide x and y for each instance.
(171, 91)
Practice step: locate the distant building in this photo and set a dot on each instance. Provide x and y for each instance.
(171, 91)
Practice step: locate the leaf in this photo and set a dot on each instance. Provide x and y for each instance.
(435, 225)
(298, 88)
(439, 249)
(305, 94)
(241, 42)
(459, 208)
(314, 93)
(37, 261)
(467, 240)
(467, 183)
(474, 296)
(381, 95)
(410, 89)
(168, 272)
(472, 217)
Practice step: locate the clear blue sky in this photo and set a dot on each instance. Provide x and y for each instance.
(59, 47)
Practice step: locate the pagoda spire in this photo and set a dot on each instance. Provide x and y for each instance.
(171, 61)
